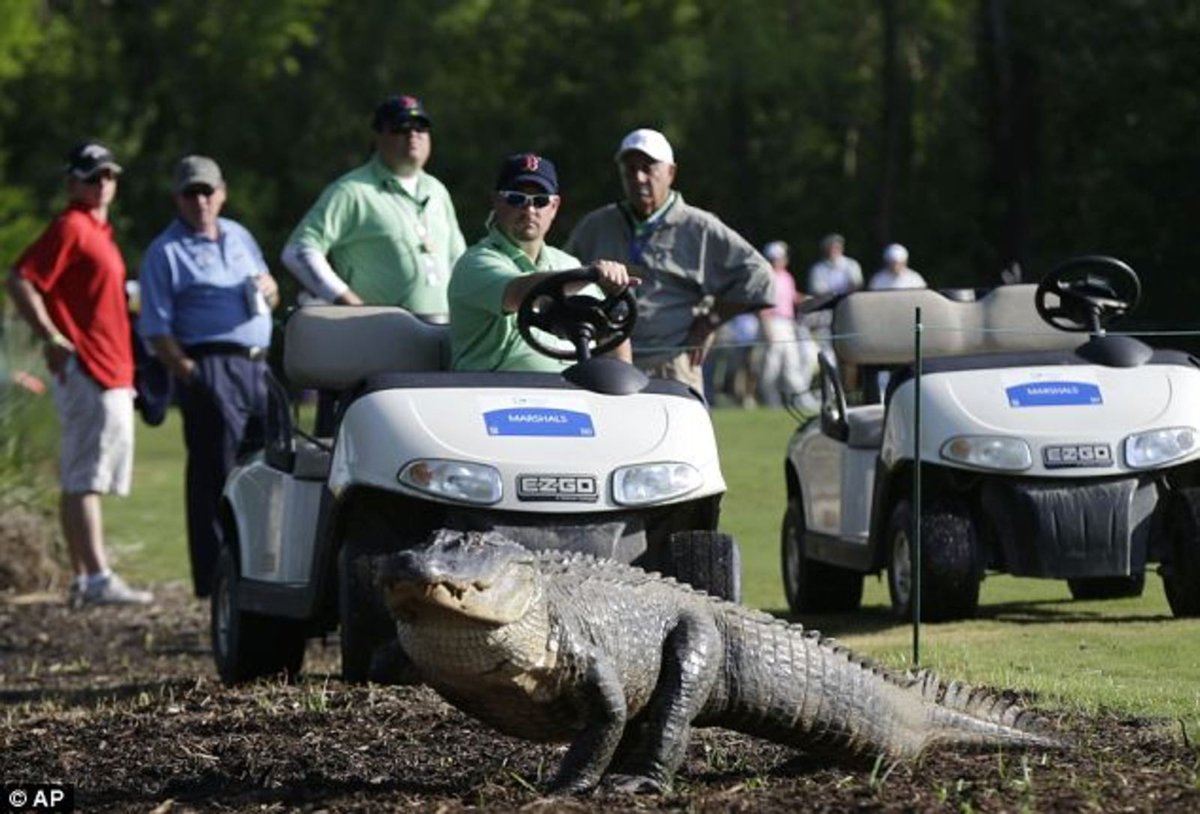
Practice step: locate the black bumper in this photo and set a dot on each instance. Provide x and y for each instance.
(1070, 530)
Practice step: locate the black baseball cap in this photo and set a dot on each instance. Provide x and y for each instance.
(90, 157)
(396, 110)
(530, 168)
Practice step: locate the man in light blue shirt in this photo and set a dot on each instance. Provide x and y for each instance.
(206, 310)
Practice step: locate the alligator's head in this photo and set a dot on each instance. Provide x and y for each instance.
(481, 576)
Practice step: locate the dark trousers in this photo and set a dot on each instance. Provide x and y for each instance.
(223, 406)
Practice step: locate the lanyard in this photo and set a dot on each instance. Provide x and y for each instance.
(419, 227)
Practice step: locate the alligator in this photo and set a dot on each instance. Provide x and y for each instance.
(622, 663)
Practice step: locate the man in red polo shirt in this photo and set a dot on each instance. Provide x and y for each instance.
(69, 285)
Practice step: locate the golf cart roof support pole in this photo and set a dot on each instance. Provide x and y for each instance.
(915, 549)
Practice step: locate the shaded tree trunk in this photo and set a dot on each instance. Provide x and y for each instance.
(893, 111)
(1012, 133)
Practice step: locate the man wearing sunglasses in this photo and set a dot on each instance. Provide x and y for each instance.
(69, 285)
(697, 272)
(206, 310)
(385, 233)
(493, 277)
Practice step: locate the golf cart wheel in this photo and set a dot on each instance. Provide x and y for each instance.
(812, 586)
(1181, 572)
(1107, 587)
(950, 568)
(249, 645)
(363, 619)
(708, 560)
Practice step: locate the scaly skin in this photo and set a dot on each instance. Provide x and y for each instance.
(622, 664)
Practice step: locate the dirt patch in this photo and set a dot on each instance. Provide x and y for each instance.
(27, 547)
(123, 703)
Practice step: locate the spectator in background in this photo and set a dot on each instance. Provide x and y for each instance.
(69, 285)
(207, 297)
(731, 368)
(385, 233)
(696, 272)
(895, 272)
(789, 359)
(834, 273)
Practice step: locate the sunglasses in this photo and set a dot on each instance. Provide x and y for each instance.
(197, 191)
(520, 200)
(408, 127)
(96, 178)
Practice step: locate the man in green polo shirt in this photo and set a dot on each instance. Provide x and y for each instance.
(493, 277)
(385, 233)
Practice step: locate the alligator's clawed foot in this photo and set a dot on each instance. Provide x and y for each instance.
(633, 784)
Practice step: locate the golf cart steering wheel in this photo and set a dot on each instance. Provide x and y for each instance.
(1091, 291)
(594, 326)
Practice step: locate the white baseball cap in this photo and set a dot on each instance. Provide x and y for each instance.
(650, 142)
(895, 253)
(775, 250)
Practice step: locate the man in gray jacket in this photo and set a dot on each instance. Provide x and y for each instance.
(696, 272)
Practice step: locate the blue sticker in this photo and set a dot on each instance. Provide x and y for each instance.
(1053, 394)
(550, 421)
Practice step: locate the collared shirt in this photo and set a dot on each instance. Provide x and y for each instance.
(904, 278)
(482, 335)
(839, 276)
(391, 247)
(77, 268)
(688, 255)
(194, 288)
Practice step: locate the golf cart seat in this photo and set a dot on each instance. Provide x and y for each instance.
(331, 348)
(865, 427)
(876, 327)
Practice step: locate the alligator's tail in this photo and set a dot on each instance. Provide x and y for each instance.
(962, 716)
(798, 687)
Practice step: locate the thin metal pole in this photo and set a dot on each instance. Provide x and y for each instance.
(916, 495)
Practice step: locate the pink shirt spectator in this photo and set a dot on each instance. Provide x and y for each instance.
(785, 295)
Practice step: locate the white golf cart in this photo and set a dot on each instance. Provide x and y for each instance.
(1042, 456)
(598, 459)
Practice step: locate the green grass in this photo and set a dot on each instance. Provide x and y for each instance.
(147, 531)
(1127, 655)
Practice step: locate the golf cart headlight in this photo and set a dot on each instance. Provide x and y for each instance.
(652, 483)
(989, 452)
(1156, 447)
(454, 480)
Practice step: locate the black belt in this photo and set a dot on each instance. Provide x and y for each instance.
(226, 349)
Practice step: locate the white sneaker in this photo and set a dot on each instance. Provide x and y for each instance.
(75, 595)
(114, 591)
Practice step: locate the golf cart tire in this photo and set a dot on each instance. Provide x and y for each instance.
(1107, 587)
(812, 586)
(249, 645)
(1181, 572)
(950, 567)
(708, 560)
(363, 622)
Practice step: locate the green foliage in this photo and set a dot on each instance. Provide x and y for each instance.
(993, 130)
(27, 424)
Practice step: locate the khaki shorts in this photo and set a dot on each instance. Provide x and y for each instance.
(96, 454)
(679, 368)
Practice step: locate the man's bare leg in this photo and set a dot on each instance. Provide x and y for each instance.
(82, 524)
